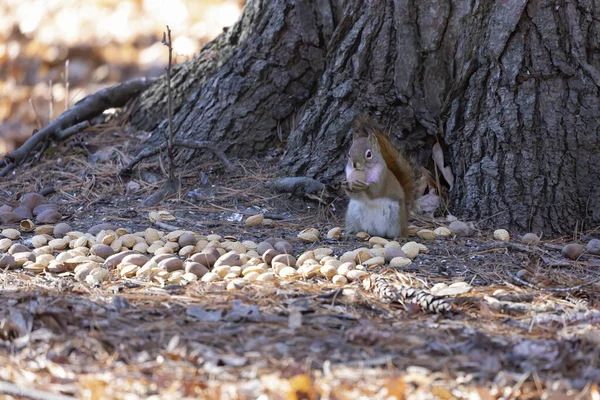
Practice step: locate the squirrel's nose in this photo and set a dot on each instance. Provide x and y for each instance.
(357, 165)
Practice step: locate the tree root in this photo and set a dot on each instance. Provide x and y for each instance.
(74, 120)
(191, 144)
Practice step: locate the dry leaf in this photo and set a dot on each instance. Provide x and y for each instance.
(438, 159)
(396, 388)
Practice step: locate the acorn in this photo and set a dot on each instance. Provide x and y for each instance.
(23, 212)
(255, 220)
(31, 200)
(48, 217)
(573, 251)
(530, 239)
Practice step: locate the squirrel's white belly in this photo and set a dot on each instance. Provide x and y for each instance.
(377, 217)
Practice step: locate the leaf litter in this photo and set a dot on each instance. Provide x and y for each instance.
(294, 338)
(290, 338)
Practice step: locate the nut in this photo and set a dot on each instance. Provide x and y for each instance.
(309, 235)
(286, 259)
(573, 251)
(328, 271)
(255, 220)
(61, 229)
(11, 233)
(376, 240)
(426, 234)
(334, 233)
(400, 262)
(501, 235)
(27, 225)
(288, 272)
(530, 239)
(363, 236)
(210, 277)
(355, 274)
(442, 231)
(374, 261)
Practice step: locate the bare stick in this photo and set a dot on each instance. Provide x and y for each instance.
(297, 185)
(522, 282)
(166, 226)
(166, 40)
(7, 169)
(70, 131)
(198, 145)
(182, 143)
(507, 245)
(37, 118)
(67, 93)
(51, 101)
(89, 107)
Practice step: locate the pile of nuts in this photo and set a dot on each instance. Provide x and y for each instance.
(181, 257)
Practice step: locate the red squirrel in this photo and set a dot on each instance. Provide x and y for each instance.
(381, 183)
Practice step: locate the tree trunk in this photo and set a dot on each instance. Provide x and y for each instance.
(508, 88)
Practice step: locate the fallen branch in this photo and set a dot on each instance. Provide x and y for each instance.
(197, 145)
(89, 107)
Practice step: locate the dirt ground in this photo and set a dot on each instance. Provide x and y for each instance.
(301, 338)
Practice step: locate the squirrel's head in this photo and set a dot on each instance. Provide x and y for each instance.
(365, 154)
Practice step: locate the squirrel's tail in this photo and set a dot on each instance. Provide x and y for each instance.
(399, 163)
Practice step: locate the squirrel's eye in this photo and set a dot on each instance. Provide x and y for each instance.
(368, 154)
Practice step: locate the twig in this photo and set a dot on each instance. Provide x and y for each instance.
(89, 107)
(166, 226)
(67, 85)
(8, 169)
(30, 393)
(511, 308)
(70, 131)
(509, 245)
(199, 145)
(37, 118)
(45, 145)
(518, 280)
(182, 143)
(553, 246)
(51, 101)
(169, 140)
(297, 185)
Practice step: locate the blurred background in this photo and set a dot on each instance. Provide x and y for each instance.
(55, 52)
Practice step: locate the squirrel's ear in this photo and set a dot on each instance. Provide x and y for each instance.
(361, 127)
(373, 141)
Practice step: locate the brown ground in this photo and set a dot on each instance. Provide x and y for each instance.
(293, 339)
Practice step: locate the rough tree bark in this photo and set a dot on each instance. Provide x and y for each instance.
(509, 88)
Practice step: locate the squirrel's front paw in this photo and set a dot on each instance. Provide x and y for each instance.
(355, 186)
